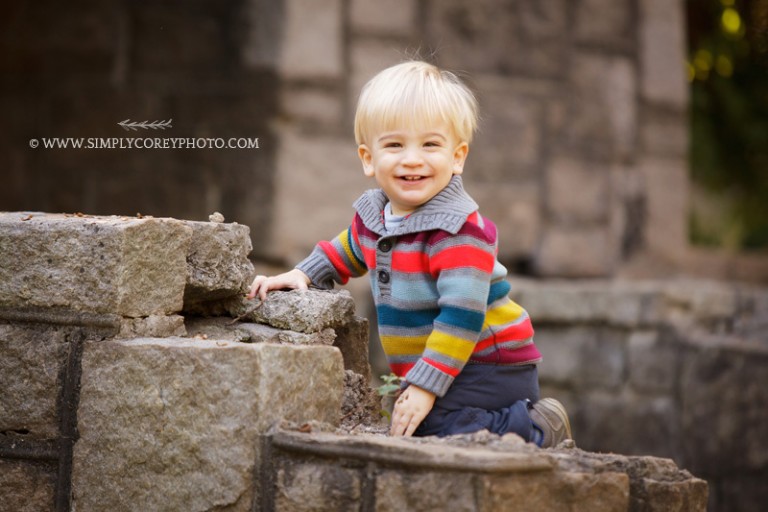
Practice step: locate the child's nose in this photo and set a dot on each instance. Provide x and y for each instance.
(412, 156)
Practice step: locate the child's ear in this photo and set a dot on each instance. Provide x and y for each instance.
(459, 157)
(367, 159)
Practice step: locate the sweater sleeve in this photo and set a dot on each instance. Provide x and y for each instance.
(462, 265)
(336, 260)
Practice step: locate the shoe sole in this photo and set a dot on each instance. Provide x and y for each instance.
(552, 404)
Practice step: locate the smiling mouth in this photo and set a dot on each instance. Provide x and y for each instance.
(412, 178)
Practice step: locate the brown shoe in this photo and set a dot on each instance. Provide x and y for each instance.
(549, 415)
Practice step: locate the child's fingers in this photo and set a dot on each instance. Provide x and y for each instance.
(258, 287)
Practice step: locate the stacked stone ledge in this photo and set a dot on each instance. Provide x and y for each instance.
(120, 394)
(106, 395)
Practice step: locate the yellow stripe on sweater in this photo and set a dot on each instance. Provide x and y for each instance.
(451, 346)
(344, 239)
(504, 314)
(404, 345)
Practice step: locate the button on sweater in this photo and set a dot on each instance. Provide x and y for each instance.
(441, 295)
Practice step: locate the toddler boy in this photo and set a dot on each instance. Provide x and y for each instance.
(446, 323)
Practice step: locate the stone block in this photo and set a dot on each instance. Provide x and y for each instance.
(506, 37)
(176, 421)
(724, 404)
(568, 251)
(608, 23)
(152, 326)
(306, 487)
(352, 340)
(217, 261)
(223, 328)
(312, 40)
(662, 52)
(577, 192)
(368, 56)
(371, 16)
(396, 491)
(560, 491)
(652, 362)
(512, 118)
(118, 265)
(667, 189)
(483, 471)
(622, 422)
(313, 107)
(601, 117)
(309, 168)
(27, 486)
(664, 133)
(515, 208)
(582, 356)
(307, 311)
(656, 484)
(30, 370)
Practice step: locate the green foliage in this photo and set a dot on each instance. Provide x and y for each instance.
(728, 69)
(391, 385)
(389, 388)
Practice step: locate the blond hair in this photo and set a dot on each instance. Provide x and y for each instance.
(415, 94)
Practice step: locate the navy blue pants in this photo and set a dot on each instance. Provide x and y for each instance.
(485, 396)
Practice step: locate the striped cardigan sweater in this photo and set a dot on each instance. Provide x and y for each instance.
(440, 293)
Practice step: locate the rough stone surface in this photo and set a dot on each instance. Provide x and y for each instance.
(26, 486)
(30, 366)
(352, 339)
(475, 472)
(314, 487)
(176, 420)
(368, 16)
(126, 266)
(301, 56)
(397, 491)
(308, 311)
(724, 405)
(361, 404)
(159, 326)
(670, 368)
(662, 48)
(558, 492)
(217, 261)
(591, 252)
(246, 332)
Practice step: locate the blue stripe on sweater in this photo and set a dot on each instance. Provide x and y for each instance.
(448, 315)
(498, 290)
(463, 318)
(389, 315)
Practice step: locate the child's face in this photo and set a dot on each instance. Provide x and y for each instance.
(413, 165)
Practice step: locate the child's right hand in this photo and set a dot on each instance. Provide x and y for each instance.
(293, 279)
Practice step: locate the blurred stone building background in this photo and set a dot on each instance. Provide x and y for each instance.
(581, 158)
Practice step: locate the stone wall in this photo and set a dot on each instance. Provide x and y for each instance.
(675, 369)
(581, 154)
(128, 385)
(584, 95)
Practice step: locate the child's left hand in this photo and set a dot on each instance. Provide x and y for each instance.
(410, 409)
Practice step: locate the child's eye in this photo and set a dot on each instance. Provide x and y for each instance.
(392, 145)
(432, 144)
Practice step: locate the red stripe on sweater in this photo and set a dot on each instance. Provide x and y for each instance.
(336, 260)
(400, 369)
(453, 372)
(528, 353)
(462, 256)
(520, 332)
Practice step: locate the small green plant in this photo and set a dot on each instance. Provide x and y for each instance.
(391, 385)
(389, 389)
